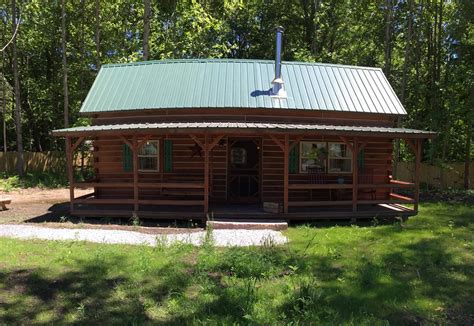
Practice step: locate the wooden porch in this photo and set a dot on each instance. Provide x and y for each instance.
(241, 211)
(189, 196)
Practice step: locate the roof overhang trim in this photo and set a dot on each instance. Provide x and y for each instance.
(239, 127)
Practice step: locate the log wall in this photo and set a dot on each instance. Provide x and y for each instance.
(108, 163)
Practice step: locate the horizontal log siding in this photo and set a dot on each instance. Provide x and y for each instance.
(109, 168)
(108, 164)
(378, 155)
(272, 171)
(247, 115)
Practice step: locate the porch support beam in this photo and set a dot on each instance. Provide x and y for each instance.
(361, 147)
(346, 141)
(77, 143)
(143, 141)
(286, 154)
(206, 148)
(70, 172)
(355, 173)
(417, 173)
(416, 146)
(296, 141)
(135, 173)
(197, 140)
(215, 142)
(125, 140)
(277, 141)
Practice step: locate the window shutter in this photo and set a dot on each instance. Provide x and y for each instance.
(168, 151)
(294, 160)
(127, 158)
(361, 160)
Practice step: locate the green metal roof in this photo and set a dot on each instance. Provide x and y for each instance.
(186, 127)
(229, 83)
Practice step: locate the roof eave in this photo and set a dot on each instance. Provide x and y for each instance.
(248, 131)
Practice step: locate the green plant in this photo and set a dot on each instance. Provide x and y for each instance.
(135, 220)
(48, 179)
(250, 292)
(318, 154)
(364, 275)
(208, 241)
(303, 303)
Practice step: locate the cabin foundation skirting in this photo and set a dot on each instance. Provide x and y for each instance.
(221, 174)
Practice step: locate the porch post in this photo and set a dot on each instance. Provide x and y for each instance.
(286, 153)
(417, 172)
(355, 174)
(206, 174)
(135, 174)
(70, 172)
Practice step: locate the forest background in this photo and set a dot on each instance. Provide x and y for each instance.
(52, 50)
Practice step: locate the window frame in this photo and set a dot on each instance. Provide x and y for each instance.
(301, 157)
(157, 156)
(329, 158)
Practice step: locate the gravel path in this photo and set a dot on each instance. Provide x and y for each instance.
(222, 238)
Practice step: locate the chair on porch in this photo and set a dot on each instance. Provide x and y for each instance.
(317, 175)
(366, 176)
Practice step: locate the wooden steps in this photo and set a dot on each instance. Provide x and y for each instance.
(232, 224)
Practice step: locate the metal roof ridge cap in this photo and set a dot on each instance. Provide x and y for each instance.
(335, 65)
(233, 60)
(169, 61)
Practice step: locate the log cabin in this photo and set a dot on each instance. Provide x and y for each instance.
(190, 139)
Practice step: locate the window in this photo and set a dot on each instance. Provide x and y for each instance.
(149, 156)
(340, 158)
(238, 156)
(312, 155)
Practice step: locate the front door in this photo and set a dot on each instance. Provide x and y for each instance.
(244, 170)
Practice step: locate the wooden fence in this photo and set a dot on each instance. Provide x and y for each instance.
(449, 176)
(37, 161)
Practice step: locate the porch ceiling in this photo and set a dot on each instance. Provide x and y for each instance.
(240, 128)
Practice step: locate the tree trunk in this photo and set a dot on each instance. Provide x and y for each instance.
(4, 105)
(467, 161)
(82, 46)
(63, 48)
(469, 134)
(388, 37)
(19, 137)
(97, 34)
(439, 40)
(406, 62)
(146, 29)
(309, 9)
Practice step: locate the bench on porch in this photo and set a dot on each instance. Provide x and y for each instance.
(365, 185)
(4, 201)
(178, 188)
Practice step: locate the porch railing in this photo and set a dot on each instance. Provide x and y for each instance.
(393, 198)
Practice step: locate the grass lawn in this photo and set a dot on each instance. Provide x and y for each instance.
(417, 272)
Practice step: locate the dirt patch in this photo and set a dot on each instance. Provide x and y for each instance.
(38, 195)
(34, 203)
(50, 207)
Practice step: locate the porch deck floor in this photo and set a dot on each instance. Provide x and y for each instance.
(244, 211)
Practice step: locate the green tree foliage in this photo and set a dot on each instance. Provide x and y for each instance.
(426, 48)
